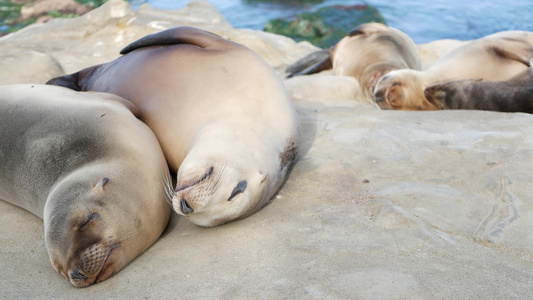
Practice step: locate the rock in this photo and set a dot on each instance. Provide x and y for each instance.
(380, 204)
(326, 88)
(328, 25)
(44, 7)
(19, 65)
(278, 51)
(431, 52)
(98, 36)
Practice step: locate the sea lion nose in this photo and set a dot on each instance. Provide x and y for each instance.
(185, 208)
(76, 275)
(378, 96)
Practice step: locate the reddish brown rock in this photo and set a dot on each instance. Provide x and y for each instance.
(43, 7)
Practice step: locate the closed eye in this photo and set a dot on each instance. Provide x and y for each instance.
(90, 217)
(240, 188)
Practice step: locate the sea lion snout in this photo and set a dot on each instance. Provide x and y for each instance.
(185, 207)
(382, 97)
(76, 275)
(378, 97)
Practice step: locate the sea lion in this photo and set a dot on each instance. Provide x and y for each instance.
(496, 57)
(220, 112)
(93, 172)
(513, 95)
(366, 53)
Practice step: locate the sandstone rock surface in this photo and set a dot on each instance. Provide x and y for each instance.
(380, 205)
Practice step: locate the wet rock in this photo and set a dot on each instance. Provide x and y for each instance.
(326, 26)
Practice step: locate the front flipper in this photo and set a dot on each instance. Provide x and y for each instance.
(310, 64)
(514, 49)
(174, 36)
(78, 81)
(69, 81)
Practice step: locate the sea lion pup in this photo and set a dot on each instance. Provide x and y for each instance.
(220, 112)
(513, 95)
(496, 57)
(93, 172)
(366, 53)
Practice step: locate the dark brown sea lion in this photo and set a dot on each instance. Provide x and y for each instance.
(513, 95)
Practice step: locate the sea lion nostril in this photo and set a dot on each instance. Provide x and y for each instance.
(76, 275)
(185, 208)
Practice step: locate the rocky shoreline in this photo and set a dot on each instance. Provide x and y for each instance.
(20, 13)
(380, 204)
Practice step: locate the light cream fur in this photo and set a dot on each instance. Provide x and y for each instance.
(496, 57)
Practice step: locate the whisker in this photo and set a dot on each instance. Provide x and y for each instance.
(116, 239)
(214, 186)
(167, 185)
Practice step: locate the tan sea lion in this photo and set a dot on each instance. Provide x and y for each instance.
(93, 172)
(496, 57)
(220, 112)
(366, 53)
(513, 95)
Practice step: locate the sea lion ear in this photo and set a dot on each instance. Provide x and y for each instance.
(262, 176)
(101, 183)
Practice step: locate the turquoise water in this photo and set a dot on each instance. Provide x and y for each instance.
(424, 21)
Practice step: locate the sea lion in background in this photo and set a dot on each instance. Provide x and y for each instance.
(496, 57)
(220, 112)
(366, 53)
(93, 172)
(513, 95)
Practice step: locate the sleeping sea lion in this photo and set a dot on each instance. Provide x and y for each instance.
(220, 112)
(92, 171)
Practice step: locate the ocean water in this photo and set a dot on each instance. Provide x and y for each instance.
(422, 20)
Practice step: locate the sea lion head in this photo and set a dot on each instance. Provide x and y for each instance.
(402, 90)
(213, 192)
(450, 94)
(236, 180)
(95, 224)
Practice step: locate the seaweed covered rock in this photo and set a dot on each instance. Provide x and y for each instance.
(285, 2)
(17, 14)
(326, 26)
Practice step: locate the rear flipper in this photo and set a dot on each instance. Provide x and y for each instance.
(310, 64)
(174, 36)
